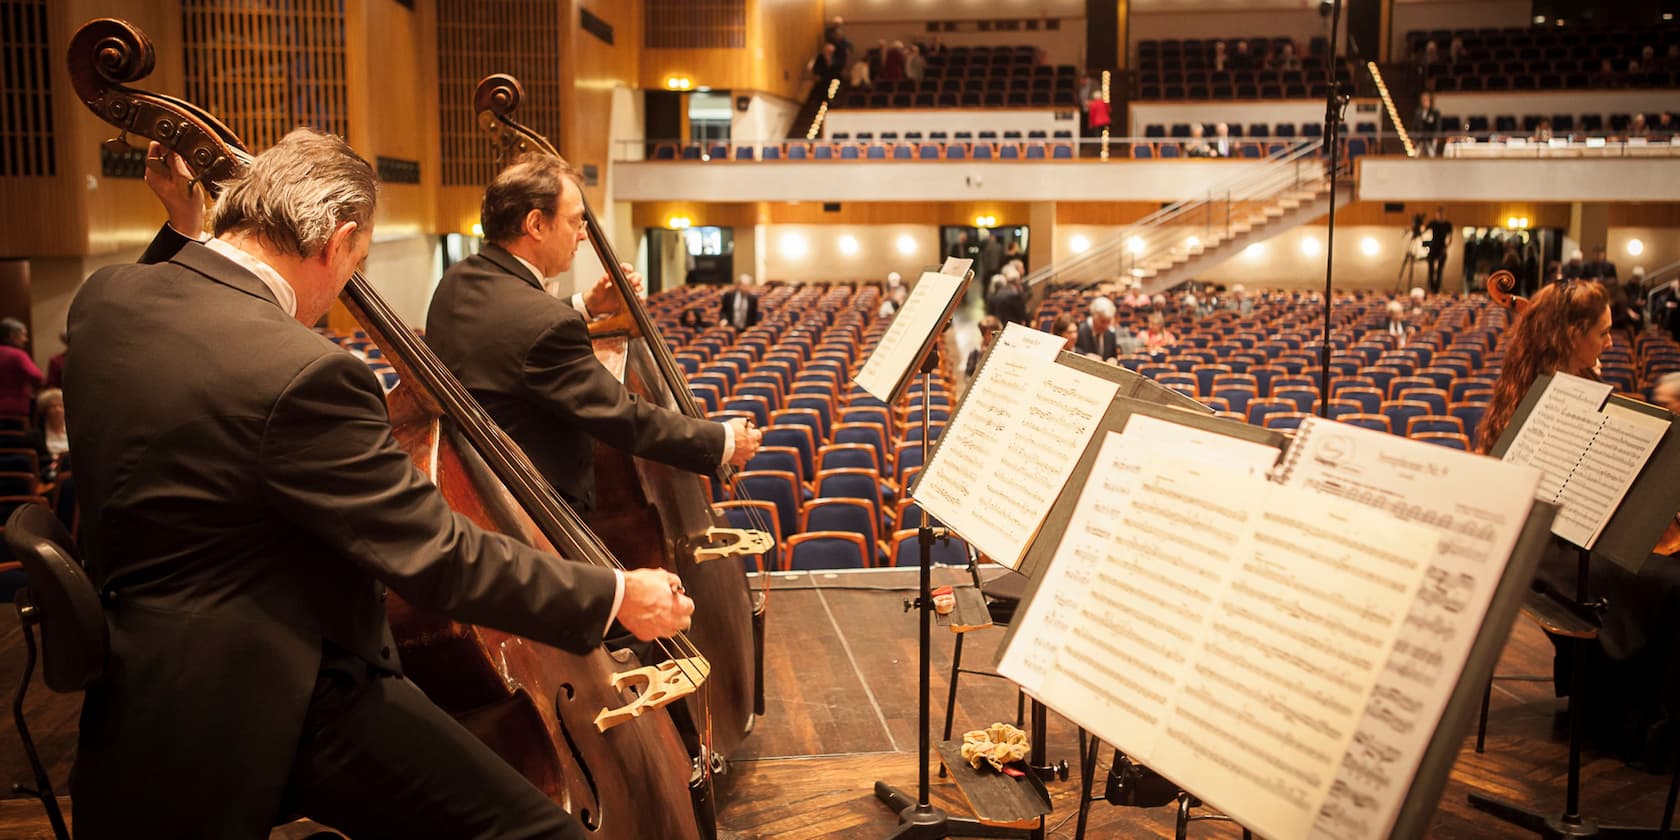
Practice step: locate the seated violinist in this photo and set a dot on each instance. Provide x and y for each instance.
(251, 512)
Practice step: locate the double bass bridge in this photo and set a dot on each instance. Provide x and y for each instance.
(721, 543)
(655, 686)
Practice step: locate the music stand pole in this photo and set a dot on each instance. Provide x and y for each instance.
(918, 819)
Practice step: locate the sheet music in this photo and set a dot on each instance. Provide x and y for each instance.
(1478, 506)
(956, 267)
(1219, 627)
(920, 315)
(1588, 456)
(1010, 448)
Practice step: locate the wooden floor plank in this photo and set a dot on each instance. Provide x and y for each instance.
(818, 706)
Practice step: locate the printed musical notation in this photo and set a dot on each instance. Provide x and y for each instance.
(1014, 440)
(1588, 456)
(1222, 629)
(901, 345)
(1477, 506)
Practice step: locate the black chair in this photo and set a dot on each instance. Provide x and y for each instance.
(60, 601)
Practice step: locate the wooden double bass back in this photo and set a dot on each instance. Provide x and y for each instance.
(589, 730)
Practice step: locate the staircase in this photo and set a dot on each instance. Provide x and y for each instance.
(807, 124)
(1181, 240)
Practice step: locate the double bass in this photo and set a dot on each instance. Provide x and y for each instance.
(590, 731)
(652, 515)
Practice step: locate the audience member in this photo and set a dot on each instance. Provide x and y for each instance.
(739, 306)
(49, 437)
(1412, 250)
(835, 33)
(1067, 327)
(1097, 337)
(1666, 393)
(693, 319)
(1456, 53)
(19, 377)
(1575, 268)
(1221, 140)
(989, 328)
(1009, 302)
(892, 63)
(1156, 338)
(1221, 57)
(1637, 128)
(1398, 329)
(1287, 59)
(1428, 124)
(915, 66)
(1241, 58)
(1197, 146)
(1665, 308)
(826, 65)
(1542, 132)
(858, 75)
(1239, 301)
(990, 258)
(1606, 77)
(892, 301)
(1600, 268)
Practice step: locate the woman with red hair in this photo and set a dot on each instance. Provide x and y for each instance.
(1635, 668)
(1564, 330)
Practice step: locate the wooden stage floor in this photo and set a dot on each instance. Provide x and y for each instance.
(841, 689)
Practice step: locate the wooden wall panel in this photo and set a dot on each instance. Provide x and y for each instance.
(1646, 214)
(392, 73)
(782, 35)
(478, 37)
(1103, 213)
(598, 70)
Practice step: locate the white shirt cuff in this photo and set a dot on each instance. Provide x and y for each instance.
(577, 303)
(728, 444)
(202, 237)
(618, 600)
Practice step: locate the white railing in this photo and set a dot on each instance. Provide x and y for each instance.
(1190, 224)
(1084, 149)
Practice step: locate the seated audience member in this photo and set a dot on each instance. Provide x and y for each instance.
(1667, 392)
(1067, 327)
(1221, 143)
(1287, 59)
(49, 438)
(1097, 336)
(1239, 301)
(891, 301)
(989, 328)
(1665, 308)
(19, 377)
(1542, 132)
(1600, 268)
(1197, 146)
(1157, 338)
(1396, 327)
(894, 280)
(693, 318)
(1009, 301)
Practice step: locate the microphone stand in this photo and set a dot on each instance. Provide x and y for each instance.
(1334, 102)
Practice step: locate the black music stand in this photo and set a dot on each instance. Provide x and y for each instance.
(918, 819)
(1627, 539)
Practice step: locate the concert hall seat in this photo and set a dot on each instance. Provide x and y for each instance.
(1236, 397)
(778, 487)
(757, 516)
(782, 458)
(948, 549)
(872, 435)
(18, 484)
(1401, 412)
(820, 550)
(1451, 440)
(13, 423)
(845, 514)
(20, 460)
(1260, 409)
(913, 434)
(821, 406)
(1368, 421)
(1434, 397)
(852, 484)
(880, 415)
(1286, 420)
(1470, 414)
(1433, 423)
(848, 456)
(1370, 399)
(1301, 397)
(1342, 408)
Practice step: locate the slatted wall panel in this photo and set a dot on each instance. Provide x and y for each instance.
(26, 123)
(267, 67)
(696, 24)
(475, 39)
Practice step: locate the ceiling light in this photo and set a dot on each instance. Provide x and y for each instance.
(1635, 247)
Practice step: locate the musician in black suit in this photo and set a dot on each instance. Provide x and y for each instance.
(525, 355)
(1098, 337)
(739, 307)
(245, 508)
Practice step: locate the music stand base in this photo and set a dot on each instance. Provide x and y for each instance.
(1554, 826)
(925, 822)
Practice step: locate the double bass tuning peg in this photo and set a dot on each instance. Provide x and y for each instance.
(119, 144)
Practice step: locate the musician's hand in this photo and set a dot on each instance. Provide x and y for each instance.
(1669, 545)
(168, 176)
(747, 439)
(604, 299)
(654, 605)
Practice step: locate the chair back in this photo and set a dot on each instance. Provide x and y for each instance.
(819, 550)
(74, 639)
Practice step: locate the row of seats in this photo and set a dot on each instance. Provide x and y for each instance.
(1524, 42)
(1562, 124)
(906, 150)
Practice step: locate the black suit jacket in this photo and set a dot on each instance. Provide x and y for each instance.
(726, 312)
(526, 356)
(1009, 304)
(245, 505)
(1089, 343)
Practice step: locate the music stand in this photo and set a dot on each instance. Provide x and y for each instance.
(1626, 540)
